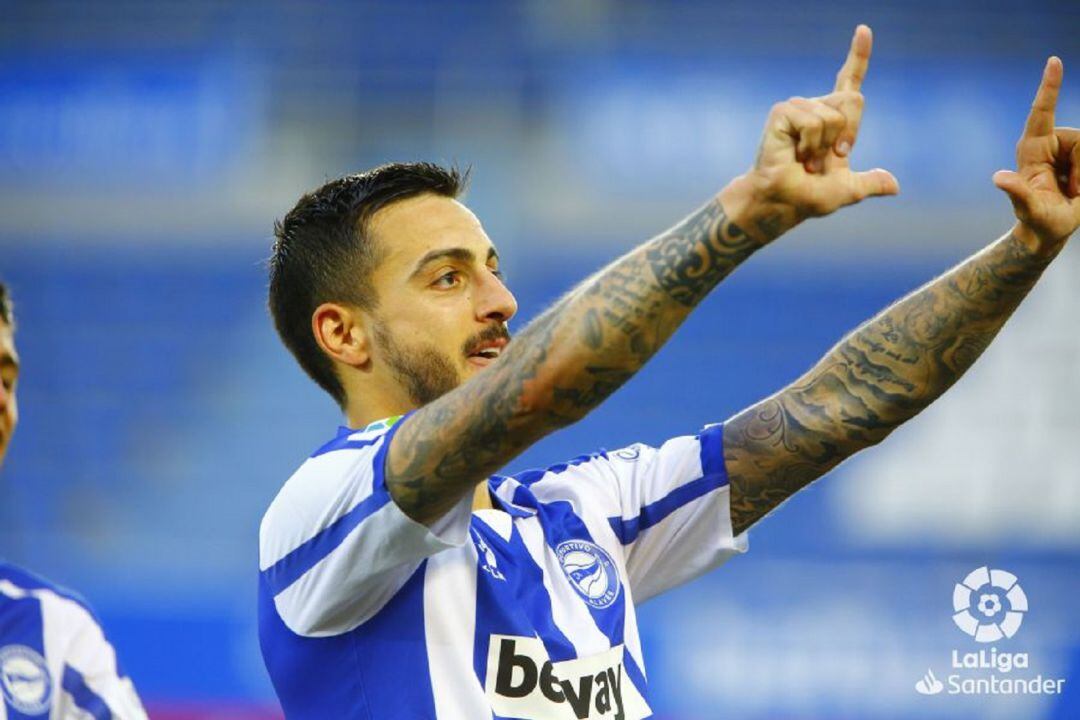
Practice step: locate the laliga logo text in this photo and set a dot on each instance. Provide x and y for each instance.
(989, 605)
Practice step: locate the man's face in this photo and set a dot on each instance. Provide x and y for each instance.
(442, 306)
(9, 375)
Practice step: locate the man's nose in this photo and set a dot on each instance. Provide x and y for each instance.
(496, 302)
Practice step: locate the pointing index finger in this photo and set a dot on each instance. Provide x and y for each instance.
(852, 73)
(1041, 119)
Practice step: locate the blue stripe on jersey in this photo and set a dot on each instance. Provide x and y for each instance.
(635, 674)
(560, 523)
(290, 568)
(21, 624)
(528, 477)
(358, 673)
(495, 606)
(714, 475)
(628, 530)
(314, 677)
(496, 481)
(530, 591)
(517, 605)
(524, 498)
(27, 580)
(342, 442)
(83, 696)
(395, 638)
(23, 578)
(712, 451)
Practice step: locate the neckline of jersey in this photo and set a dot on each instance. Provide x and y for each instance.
(493, 481)
(383, 424)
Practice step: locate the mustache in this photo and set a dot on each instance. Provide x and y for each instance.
(495, 332)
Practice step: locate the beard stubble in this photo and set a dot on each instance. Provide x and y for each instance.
(424, 371)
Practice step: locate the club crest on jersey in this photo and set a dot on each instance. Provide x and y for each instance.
(590, 570)
(24, 679)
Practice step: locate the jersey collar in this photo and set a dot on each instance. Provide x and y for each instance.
(516, 490)
(523, 503)
(384, 424)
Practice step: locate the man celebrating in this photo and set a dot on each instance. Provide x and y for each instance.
(401, 578)
(55, 661)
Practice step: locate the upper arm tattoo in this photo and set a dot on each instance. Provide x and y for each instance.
(879, 376)
(563, 364)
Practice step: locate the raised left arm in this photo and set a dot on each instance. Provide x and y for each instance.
(893, 366)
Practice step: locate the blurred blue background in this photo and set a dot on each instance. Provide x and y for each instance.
(146, 148)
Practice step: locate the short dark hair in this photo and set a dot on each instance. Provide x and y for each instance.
(323, 253)
(7, 309)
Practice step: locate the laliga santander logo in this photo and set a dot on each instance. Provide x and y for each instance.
(989, 605)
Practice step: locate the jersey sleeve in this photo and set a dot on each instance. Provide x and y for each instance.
(675, 511)
(334, 547)
(90, 676)
(668, 507)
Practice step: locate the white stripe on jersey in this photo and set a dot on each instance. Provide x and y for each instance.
(667, 542)
(81, 663)
(312, 547)
(566, 608)
(448, 582)
(527, 608)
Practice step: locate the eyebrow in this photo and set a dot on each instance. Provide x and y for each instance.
(459, 253)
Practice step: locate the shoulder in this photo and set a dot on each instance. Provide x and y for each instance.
(63, 612)
(577, 466)
(587, 481)
(18, 581)
(338, 474)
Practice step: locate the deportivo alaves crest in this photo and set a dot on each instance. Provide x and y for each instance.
(24, 680)
(590, 570)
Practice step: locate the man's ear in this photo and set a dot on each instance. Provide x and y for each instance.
(341, 333)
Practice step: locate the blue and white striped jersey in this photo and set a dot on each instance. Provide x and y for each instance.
(522, 611)
(55, 662)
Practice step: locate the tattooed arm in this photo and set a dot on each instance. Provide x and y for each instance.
(563, 364)
(593, 340)
(876, 378)
(892, 367)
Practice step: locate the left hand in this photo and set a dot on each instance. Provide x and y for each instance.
(1045, 188)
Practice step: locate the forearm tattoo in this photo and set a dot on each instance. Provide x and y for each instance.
(563, 364)
(876, 378)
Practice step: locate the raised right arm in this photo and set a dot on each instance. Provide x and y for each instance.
(595, 338)
(563, 364)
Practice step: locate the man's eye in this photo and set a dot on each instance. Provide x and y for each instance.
(499, 274)
(447, 280)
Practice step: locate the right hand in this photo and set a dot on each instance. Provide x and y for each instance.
(1045, 188)
(802, 167)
